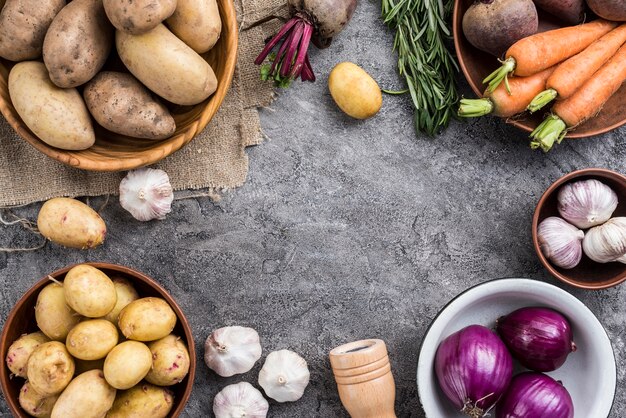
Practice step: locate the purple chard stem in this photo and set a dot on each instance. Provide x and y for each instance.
(272, 43)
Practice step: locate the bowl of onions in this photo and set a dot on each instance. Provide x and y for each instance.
(513, 345)
(579, 228)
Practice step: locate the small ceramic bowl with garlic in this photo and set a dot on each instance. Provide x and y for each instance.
(579, 228)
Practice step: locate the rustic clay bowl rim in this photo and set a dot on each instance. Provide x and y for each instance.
(463, 60)
(133, 276)
(599, 173)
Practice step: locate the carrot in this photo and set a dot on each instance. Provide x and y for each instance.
(573, 73)
(500, 103)
(543, 50)
(582, 105)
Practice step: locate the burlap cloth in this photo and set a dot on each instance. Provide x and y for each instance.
(216, 159)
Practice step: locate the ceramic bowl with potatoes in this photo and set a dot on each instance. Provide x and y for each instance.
(97, 340)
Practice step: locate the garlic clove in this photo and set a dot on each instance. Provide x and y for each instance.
(284, 376)
(560, 242)
(586, 203)
(606, 242)
(240, 400)
(147, 194)
(232, 350)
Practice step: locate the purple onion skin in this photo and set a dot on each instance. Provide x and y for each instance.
(539, 338)
(474, 368)
(535, 395)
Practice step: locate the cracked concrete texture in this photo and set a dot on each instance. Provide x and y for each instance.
(345, 230)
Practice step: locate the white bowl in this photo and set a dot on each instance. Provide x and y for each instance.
(589, 374)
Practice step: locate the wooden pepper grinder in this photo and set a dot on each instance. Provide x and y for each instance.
(364, 380)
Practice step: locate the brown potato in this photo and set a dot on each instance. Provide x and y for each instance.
(121, 104)
(20, 351)
(142, 401)
(71, 223)
(89, 291)
(138, 16)
(22, 34)
(87, 396)
(50, 368)
(54, 318)
(127, 364)
(354, 90)
(170, 361)
(197, 23)
(77, 43)
(34, 403)
(126, 293)
(92, 339)
(57, 116)
(166, 65)
(147, 319)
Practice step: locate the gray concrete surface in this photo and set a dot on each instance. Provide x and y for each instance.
(345, 230)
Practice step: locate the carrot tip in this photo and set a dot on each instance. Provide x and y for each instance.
(472, 108)
(541, 100)
(501, 74)
(551, 130)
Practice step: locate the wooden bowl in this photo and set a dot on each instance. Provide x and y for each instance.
(587, 274)
(114, 152)
(21, 320)
(477, 65)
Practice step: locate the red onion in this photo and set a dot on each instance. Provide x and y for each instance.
(474, 369)
(535, 395)
(539, 338)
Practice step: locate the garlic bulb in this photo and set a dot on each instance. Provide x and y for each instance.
(232, 350)
(239, 401)
(586, 203)
(560, 242)
(284, 376)
(147, 194)
(606, 242)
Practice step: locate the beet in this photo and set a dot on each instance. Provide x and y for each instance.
(494, 25)
(312, 20)
(569, 11)
(609, 9)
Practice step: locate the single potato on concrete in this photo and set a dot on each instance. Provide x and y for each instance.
(354, 91)
(71, 223)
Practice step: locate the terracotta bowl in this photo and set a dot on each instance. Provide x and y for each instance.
(21, 320)
(114, 152)
(587, 274)
(477, 65)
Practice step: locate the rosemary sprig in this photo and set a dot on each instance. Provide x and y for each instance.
(423, 59)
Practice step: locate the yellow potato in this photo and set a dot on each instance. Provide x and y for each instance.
(121, 104)
(88, 396)
(142, 401)
(34, 403)
(355, 91)
(89, 291)
(166, 65)
(92, 339)
(20, 351)
(54, 318)
(147, 319)
(50, 368)
(57, 116)
(78, 43)
(71, 223)
(138, 16)
(197, 23)
(82, 366)
(127, 364)
(126, 293)
(21, 34)
(170, 361)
